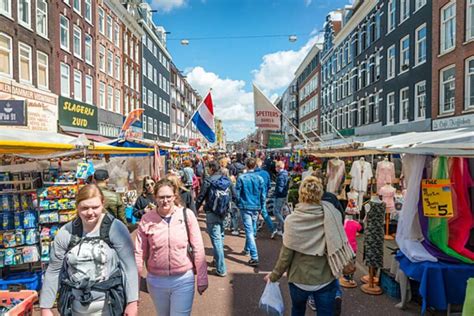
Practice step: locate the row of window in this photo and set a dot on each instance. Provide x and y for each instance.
(404, 104)
(25, 62)
(24, 14)
(131, 77)
(153, 100)
(310, 125)
(155, 50)
(65, 36)
(448, 25)
(309, 87)
(447, 87)
(404, 13)
(65, 70)
(108, 27)
(131, 48)
(310, 106)
(109, 63)
(155, 127)
(155, 76)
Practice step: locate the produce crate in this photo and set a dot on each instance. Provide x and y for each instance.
(25, 308)
(389, 285)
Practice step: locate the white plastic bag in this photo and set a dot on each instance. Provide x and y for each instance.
(272, 301)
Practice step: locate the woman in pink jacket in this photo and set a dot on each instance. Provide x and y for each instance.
(172, 253)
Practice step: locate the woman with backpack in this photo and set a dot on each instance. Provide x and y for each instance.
(91, 265)
(169, 243)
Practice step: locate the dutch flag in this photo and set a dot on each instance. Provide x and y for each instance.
(203, 118)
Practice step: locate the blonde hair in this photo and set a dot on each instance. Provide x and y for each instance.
(223, 162)
(89, 191)
(176, 180)
(311, 190)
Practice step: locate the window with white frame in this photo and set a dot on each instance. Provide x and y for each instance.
(144, 122)
(24, 13)
(448, 27)
(150, 125)
(420, 100)
(108, 27)
(404, 104)
(77, 85)
(102, 58)
(155, 127)
(470, 20)
(420, 44)
(65, 81)
(150, 98)
(376, 109)
(6, 7)
(110, 63)
(101, 21)
(42, 65)
(102, 95)
(116, 35)
(404, 10)
(64, 32)
(89, 89)
(469, 73)
(447, 89)
(88, 48)
(136, 52)
(144, 95)
(117, 68)
(391, 62)
(390, 108)
(117, 100)
(405, 54)
(77, 41)
(110, 98)
(419, 4)
(26, 62)
(88, 10)
(6, 56)
(42, 18)
(76, 5)
(392, 8)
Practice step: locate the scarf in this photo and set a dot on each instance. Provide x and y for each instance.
(317, 230)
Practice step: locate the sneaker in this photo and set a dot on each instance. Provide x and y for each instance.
(221, 274)
(338, 308)
(273, 234)
(311, 303)
(235, 233)
(253, 263)
(245, 252)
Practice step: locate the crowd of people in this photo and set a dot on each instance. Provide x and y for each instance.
(95, 267)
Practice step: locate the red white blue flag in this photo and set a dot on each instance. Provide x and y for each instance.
(203, 119)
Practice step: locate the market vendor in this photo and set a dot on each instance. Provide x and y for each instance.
(145, 201)
(113, 201)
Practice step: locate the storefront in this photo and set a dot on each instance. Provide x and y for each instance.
(33, 109)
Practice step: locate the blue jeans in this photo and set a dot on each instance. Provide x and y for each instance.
(277, 207)
(268, 219)
(215, 228)
(324, 299)
(249, 218)
(234, 222)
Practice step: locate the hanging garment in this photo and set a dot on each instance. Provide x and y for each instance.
(335, 173)
(384, 174)
(438, 230)
(361, 173)
(352, 203)
(409, 232)
(470, 244)
(388, 196)
(461, 223)
(374, 234)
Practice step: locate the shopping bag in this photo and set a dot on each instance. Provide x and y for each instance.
(272, 301)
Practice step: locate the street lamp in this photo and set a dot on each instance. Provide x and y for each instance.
(184, 42)
(293, 38)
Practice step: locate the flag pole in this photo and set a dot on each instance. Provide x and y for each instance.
(197, 109)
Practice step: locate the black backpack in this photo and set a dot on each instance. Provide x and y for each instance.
(220, 196)
(77, 231)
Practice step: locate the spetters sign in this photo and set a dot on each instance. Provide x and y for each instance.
(13, 113)
(267, 115)
(77, 114)
(276, 141)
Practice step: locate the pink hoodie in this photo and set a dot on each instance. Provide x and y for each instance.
(163, 246)
(352, 227)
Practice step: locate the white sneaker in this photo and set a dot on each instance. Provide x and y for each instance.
(273, 234)
(235, 233)
(280, 233)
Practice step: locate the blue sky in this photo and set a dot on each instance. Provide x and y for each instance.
(230, 66)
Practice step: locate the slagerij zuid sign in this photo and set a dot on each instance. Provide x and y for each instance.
(13, 113)
(276, 141)
(77, 114)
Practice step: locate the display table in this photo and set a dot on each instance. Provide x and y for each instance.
(441, 283)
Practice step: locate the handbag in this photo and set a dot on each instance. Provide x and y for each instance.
(190, 248)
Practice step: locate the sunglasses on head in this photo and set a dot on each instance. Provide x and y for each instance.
(149, 184)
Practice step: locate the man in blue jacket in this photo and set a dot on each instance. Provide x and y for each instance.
(281, 193)
(266, 179)
(251, 196)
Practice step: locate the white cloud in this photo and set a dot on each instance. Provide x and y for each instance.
(232, 103)
(168, 5)
(307, 2)
(277, 69)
